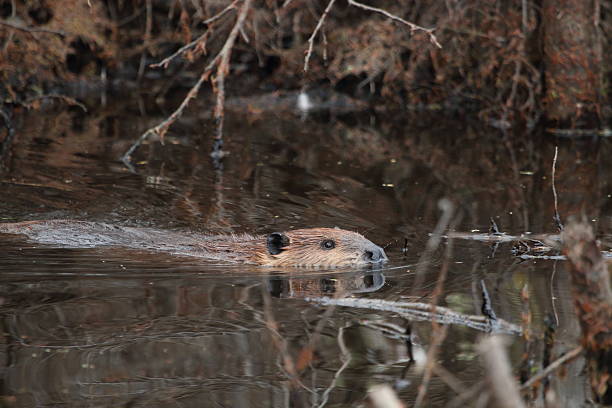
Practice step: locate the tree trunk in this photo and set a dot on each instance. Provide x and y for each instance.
(572, 62)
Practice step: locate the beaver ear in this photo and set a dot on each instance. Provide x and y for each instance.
(276, 242)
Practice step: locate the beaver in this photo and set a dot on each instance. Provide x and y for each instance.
(314, 247)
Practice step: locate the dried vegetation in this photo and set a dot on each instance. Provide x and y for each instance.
(420, 54)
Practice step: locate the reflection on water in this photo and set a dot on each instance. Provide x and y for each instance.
(116, 327)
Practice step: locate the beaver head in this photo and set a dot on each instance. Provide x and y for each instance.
(328, 247)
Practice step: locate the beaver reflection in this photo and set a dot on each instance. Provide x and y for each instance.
(286, 287)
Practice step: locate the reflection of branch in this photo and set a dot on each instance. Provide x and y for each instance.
(70, 101)
(347, 356)
(423, 312)
(436, 236)
(413, 27)
(221, 61)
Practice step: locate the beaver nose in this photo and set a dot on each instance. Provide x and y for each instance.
(376, 255)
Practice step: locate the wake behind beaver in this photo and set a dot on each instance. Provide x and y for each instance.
(313, 247)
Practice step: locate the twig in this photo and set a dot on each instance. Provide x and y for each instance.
(164, 63)
(438, 332)
(413, 27)
(162, 128)
(557, 218)
(499, 372)
(314, 33)
(279, 341)
(438, 336)
(423, 312)
(570, 355)
(147, 38)
(221, 60)
(434, 241)
(223, 68)
(67, 99)
(32, 30)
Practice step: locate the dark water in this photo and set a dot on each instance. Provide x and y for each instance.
(113, 327)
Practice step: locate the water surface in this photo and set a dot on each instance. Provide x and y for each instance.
(116, 327)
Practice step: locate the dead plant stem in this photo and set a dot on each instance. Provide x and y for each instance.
(221, 60)
(570, 355)
(314, 33)
(413, 27)
(554, 168)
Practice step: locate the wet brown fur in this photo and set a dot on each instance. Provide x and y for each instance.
(302, 247)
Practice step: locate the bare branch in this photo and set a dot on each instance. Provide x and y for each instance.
(413, 27)
(164, 63)
(70, 101)
(314, 33)
(570, 355)
(221, 60)
(32, 30)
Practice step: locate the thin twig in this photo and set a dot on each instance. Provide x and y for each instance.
(413, 27)
(70, 101)
(438, 332)
(221, 60)
(570, 355)
(423, 312)
(498, 371)
(314, 33)
(438, 336)
(164, 63)
(554, 168)
(447, 208)
(32, 30)
(147, 38)
(469, 394)
(162, 128)
(222, 70)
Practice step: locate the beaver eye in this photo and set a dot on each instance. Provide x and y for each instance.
(328, 244)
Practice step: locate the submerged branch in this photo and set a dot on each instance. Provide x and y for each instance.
(32, 30)
(423, 312)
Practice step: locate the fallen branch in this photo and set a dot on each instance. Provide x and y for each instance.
(70, 101)
(222, 70)
(423, 312)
